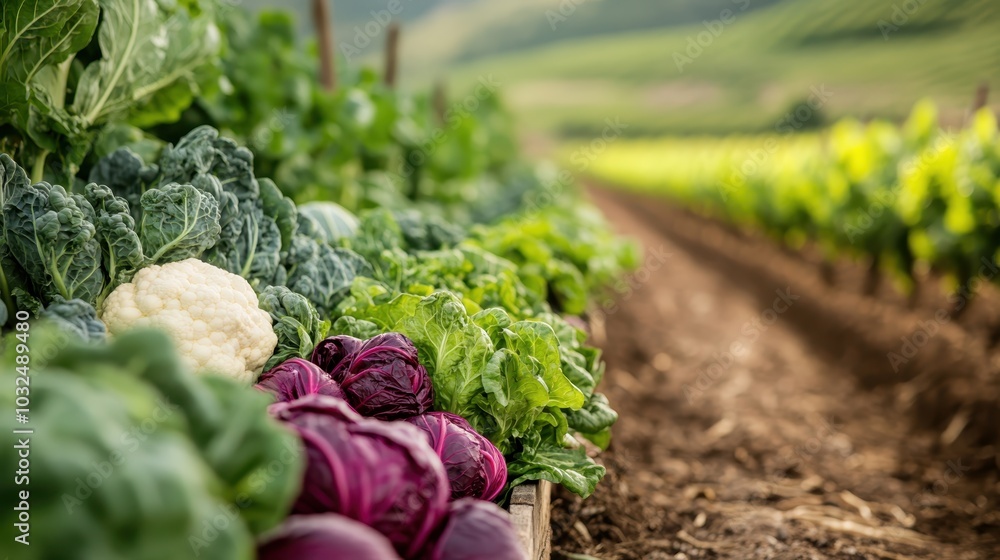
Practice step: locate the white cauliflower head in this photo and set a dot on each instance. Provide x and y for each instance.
(211, 314)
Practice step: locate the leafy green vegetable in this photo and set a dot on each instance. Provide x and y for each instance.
(178, 222)
(116, 231)
(322, 273)
(146, 457)
(594, 420)
(296, 322)
(51, 233)
(565, 254)
(568, 467)
(333, 221)
(504, 376)
(76, 318)
(152, 57)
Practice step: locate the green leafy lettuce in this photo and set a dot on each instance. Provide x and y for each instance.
(503, 375)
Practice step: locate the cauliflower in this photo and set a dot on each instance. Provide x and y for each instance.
(211, 314)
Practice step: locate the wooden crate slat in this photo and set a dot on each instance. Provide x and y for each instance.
(529, 510)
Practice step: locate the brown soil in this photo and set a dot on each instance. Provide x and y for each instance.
(755, 426)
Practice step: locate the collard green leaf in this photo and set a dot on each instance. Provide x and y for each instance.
(39, 33)
(52, 236)
(178, 222)
(145, 50)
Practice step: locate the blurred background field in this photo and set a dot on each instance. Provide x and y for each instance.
(567, 66)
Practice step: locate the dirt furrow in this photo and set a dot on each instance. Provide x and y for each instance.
(756, 423)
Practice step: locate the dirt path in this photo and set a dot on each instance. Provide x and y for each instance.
(761, 417)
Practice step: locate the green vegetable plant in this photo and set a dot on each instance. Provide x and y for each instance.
(68, 68)
(140, 457)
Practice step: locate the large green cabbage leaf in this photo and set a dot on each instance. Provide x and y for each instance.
(152, 57)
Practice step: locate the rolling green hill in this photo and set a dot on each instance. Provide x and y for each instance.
(567, 65)
(874, 58)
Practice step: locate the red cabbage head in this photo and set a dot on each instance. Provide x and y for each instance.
(476, 530)
(296, 378)
(381, 377)
(475, 467)
(324, 537)
(382, 474)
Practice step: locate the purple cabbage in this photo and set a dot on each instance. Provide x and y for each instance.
(475, 467)
(334, 354)
(324, 537)
(296, 378)
(381, 377)
(476, 530)
(382, 474)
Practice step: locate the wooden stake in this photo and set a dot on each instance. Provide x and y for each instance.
(439, 101)
(982, 95)
(324, 33)
(391, 55)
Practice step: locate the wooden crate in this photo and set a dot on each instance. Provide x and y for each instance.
(529, 508)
